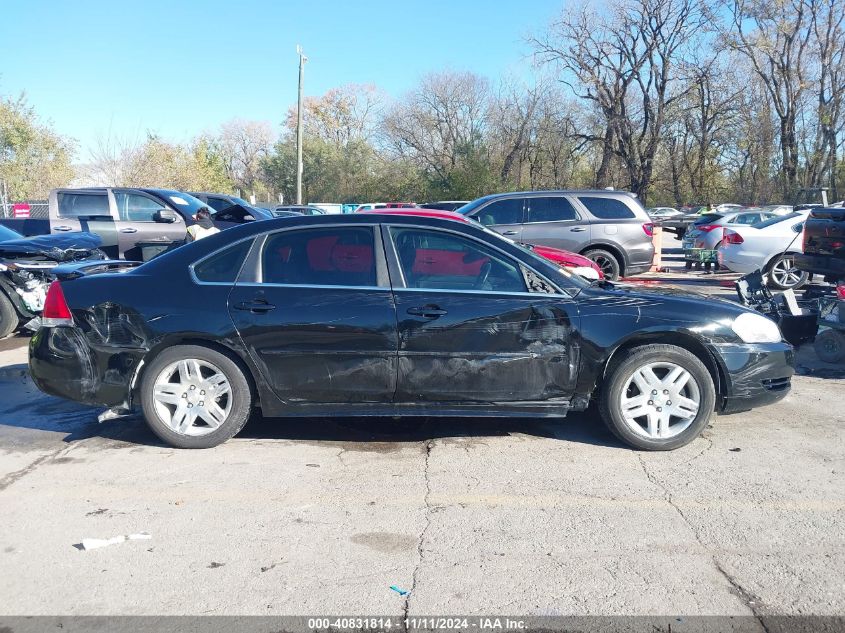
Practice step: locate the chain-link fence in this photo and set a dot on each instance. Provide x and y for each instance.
(36, 208)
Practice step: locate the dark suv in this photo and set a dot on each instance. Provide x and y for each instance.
(609, 227)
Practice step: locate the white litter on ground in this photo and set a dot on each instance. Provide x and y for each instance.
(94, 543)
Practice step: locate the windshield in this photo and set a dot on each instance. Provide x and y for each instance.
(185, 202)
(8, 234)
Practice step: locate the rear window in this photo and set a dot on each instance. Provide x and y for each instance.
(223, 266)
(73, 205)
(340, 256)
(607, 208)
(777, 219)
(708, 217)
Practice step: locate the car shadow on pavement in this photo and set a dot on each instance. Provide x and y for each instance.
(373, 433)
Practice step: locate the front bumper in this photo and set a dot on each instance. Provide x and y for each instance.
(755, 374)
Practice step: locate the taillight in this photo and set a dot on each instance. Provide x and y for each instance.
(56, 311)
(648, 227)
(706, 228)
(840, 291)
(732, 237)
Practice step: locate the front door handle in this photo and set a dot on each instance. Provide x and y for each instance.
(256, 306)
(62, 228)
(509, 233)
(429, 312)
(129, 230)
(578, 229)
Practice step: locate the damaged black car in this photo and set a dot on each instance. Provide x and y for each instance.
(394, 316)
(26, 265)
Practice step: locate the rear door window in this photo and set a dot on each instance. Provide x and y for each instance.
(550, 209)
(72, 205)
(607, 208)
(507, 211)
(337, 256)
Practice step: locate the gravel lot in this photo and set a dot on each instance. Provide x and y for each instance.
(473, 517)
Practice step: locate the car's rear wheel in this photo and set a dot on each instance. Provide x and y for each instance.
(8, 316)
(783, 274)
(657, 397)
(606, 261)
(195, 397)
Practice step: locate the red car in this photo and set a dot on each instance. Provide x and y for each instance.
(573, 262)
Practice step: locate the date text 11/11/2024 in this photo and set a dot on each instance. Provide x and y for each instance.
(376, 624)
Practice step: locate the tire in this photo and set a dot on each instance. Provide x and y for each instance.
(783, 275)
(830, 346)
(606, 261)
(233, 406)
(620, 382)
(9, 319)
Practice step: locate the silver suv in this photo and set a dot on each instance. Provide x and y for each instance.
(609, 227)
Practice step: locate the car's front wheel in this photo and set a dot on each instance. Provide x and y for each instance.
(195, 397)
(657, 397)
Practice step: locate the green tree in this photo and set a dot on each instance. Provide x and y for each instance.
(33, 157)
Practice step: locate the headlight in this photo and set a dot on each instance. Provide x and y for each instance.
(755, 328)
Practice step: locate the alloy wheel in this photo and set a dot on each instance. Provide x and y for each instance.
(660, 400)
(785, 274)
(192, 397)
(607, 267)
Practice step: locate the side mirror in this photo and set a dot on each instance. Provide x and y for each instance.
(166, 216)
(249, 218)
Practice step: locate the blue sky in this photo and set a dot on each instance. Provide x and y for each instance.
(179, 67)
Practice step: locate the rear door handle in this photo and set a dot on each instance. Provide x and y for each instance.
(578, 229)
(429, 312)
(129, 230)
(509, 233)
(258, 306)
(62, 228)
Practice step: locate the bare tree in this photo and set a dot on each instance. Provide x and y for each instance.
(774, 36)
(439, 123)
(628, 63)
(243, 144)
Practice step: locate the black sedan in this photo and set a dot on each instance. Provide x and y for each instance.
(400, 316)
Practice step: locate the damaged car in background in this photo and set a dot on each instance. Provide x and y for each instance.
(389, 315)
(26, 265)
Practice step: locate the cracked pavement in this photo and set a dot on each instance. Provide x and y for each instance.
(468, 516)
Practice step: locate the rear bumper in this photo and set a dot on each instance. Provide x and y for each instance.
(639, 258)
(755, 374)
(62, 363)
(821, 265)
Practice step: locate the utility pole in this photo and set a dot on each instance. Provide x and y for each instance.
(302, 60)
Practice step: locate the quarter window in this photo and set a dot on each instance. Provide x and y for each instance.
(225, 265)
(550, 209)
(607, 208)
(432, 259)
(507, 211)
(133, 207)
(340, 256)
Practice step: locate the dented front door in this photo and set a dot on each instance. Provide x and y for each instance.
(469, 330)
